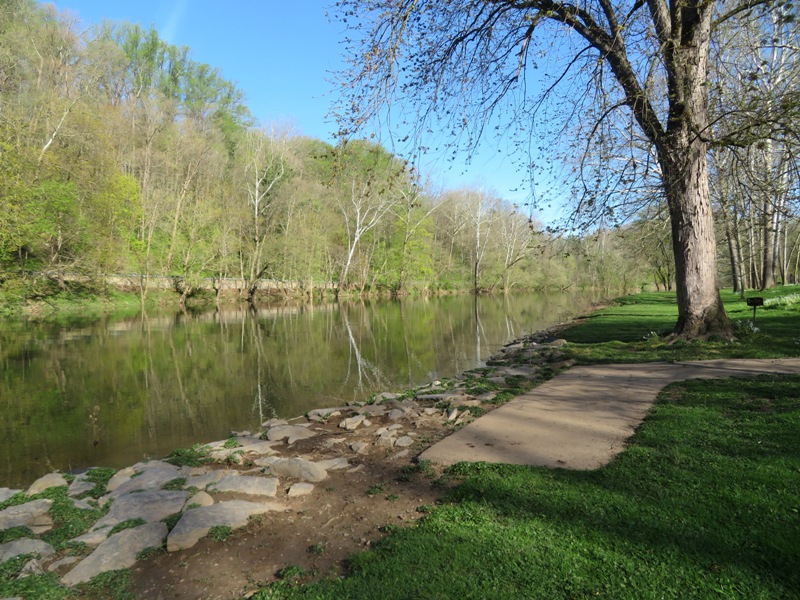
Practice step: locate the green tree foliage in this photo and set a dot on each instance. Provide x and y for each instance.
(121, 154)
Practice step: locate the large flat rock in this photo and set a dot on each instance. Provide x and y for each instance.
(149, 479)
(196, 523)
(117, 552)
(24, 546)
(6, 493)
(45, 482)
(290, 433)
(152, 505)
(248, 485)
(33, 514)
(298, 468)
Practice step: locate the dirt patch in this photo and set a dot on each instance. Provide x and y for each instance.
(346, 513)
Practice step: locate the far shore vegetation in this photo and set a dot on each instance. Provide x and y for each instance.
(127, 163)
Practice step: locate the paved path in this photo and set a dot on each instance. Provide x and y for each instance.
(581, 419)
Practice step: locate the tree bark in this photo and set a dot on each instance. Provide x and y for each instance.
(682, 153)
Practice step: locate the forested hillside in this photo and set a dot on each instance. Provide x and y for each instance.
(122, 155)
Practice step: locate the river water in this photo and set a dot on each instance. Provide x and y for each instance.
(110, 392)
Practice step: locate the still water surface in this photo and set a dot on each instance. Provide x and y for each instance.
(111, 392)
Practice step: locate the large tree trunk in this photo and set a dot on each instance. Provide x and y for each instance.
(700, 310)
(682, 154)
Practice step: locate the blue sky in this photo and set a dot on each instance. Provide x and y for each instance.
(281, 54)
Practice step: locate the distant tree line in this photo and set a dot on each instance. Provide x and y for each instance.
(121, 154)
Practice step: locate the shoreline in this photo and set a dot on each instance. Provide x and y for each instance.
(364, 441)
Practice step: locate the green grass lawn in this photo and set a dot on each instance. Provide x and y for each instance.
(703, 504)
(633, 329)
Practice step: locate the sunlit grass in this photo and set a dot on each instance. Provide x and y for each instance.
(633, 329)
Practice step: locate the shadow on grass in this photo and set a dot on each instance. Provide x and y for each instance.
(703, 504)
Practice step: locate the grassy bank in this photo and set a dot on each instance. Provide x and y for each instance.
(633, 329)
(45, 300)
(702, 504)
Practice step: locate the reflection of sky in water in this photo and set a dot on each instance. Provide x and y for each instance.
(112, 392)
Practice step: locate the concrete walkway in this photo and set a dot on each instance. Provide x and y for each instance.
(581, 419)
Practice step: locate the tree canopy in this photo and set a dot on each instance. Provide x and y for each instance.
(635, 77)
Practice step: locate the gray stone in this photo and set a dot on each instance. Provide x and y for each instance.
(359, 447)
(432, 411)
(251, 486)
(266, 461)
(386, 439)
(152, 505)
(32, 515)
(119, 478)
(6, 493)
(81, 485)
(528, 372)
(45, 482)
(274, 423)
(298, 468)
(396, 413)
(404, 441)
(333, 464)
(323, 414)
(331, 442)
(452, 414)
(512, 348)
(201, 498)
(64, 562)
(32, 567)
(195, 523)
(290, 433)
(469, 401)
(372, 410)
(25, 546)
(151, 478)
(92, 538)
(431, 397)
(300, 489)
(201, 482)
(117, 552)
(82, 504)
(258, 447)
(229, 455)
(153, 464)
(352, 423)
(384, 396)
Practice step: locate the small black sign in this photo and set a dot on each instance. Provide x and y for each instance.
(755, 301)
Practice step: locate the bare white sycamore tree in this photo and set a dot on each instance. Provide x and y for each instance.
(638, 66)
(370, 182)
(264, 152)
